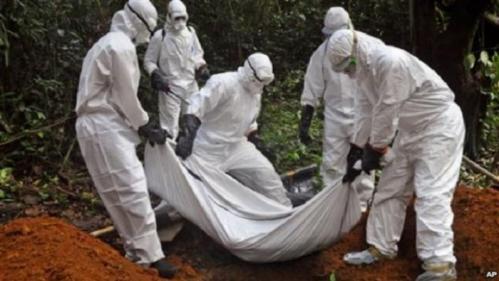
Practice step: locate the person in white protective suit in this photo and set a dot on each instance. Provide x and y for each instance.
(220, 127)
(337, 90)
(409, 97)
(173, 59)
(110, 120)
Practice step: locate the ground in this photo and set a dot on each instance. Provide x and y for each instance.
(53, 250)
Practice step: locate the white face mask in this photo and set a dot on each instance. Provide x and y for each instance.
(142, 37)
(254, 87)
(179, 24)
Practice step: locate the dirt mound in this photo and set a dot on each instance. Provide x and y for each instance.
(476, 228)
(50, 249)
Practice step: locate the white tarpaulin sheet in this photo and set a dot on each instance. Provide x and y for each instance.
(245, 222)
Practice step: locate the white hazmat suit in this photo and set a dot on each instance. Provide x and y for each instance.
(228, 107)
(407, 96)
(109, 114)
(176, 52)
(337, 91)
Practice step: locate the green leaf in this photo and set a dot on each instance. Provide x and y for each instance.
(332, 277)
(469, 61)
(2, 194)
(484, 57)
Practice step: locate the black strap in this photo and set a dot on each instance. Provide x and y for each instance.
(140, 18)
(254, 71)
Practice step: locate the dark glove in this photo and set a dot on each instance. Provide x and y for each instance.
(255, 138)
(187, 134)
(154, 133)
(371, 158)
(354, 155)
(203, 73)
(307, 112)
(158, 82)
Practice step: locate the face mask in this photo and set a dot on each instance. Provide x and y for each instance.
(142, 38)
(179, 24)
(254, 87)
(144, 31)
(351, 69)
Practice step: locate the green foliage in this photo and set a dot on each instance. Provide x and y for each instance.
(8, 185)
(487, 72)
(279, 125)
(490, 69)
(42, 45)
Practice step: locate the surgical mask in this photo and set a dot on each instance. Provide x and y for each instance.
(351, 69)
(249, 81)
(142, 37)
(254, 87)
(179, 23)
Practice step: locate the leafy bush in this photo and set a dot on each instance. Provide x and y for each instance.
(42, 45)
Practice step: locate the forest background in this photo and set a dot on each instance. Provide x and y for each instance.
(43, 43)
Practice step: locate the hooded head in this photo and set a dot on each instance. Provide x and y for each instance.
(256, 72)
(137, 19)
(177, 15)
(343, 52)
(336, 18)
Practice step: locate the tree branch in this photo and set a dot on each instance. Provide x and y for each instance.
(477, 168)
(34, 131)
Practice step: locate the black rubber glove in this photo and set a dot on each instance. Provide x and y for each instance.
(187, 134)
(371, 159)
(158, 82)
(154, 133)
(203, 73)
(354, 155)
(307, 112)
(255, 138)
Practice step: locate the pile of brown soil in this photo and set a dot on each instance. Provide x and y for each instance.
(476, 230)
(50, 249)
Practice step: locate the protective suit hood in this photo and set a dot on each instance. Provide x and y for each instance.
(336, 18)
(176, 9)
(137, 19)
(256, 72)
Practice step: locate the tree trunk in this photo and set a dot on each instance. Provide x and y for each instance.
(423, 29)
(447, 53)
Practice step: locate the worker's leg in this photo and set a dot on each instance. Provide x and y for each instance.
(251, 168)
(119, 178)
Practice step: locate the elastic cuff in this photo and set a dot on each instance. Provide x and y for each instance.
(438, 267)
(377, 253)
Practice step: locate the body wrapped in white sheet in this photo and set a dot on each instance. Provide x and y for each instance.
(248, 224)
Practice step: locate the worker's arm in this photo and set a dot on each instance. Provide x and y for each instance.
(314, 81)
(151, 58)
(124, 86)
(207, 98)
(393, 89)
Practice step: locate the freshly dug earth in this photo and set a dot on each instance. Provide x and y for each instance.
(476, 228)
(48, 249)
